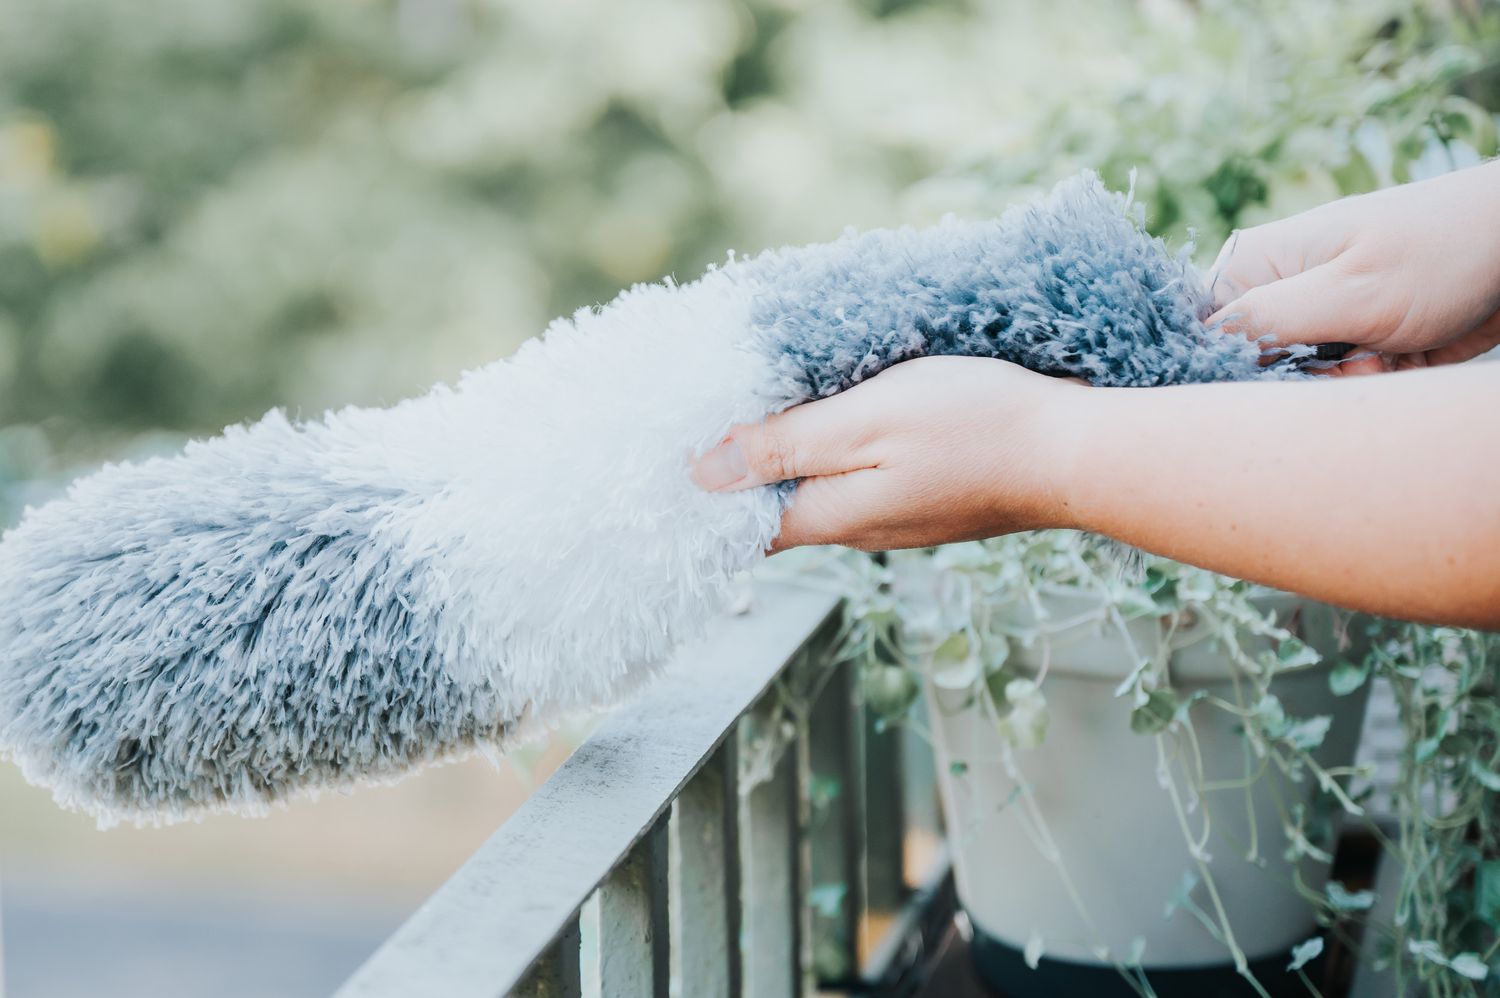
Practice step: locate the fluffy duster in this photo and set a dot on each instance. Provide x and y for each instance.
(290, 607)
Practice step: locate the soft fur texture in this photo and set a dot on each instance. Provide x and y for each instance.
(290, 607)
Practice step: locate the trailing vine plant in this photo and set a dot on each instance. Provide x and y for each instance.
(978, 602)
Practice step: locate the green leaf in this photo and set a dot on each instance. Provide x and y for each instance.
(1458, 746)
(1308, 734)
(1155, 714)
(1271, 715)
(1163, 589)
(1346, 677)
(1465, 964)
(1470, 966)
(889, 690)
(1134, 602)
(1294, 654)
(955, 676)
(1345, 900)
(996, 652)
(996, 682)
(955, 649)
(1025, 723)
(1305, 952)
(1427, 949)
(1488, 778)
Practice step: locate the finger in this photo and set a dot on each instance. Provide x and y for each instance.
(1223, 288)
(825, 437)
(1481, 341)
(1365, 363)
(1249, 258)
(1322, 305)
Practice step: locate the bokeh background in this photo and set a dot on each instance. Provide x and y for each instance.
(212, 207)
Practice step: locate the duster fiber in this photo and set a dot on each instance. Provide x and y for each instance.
(294, 606)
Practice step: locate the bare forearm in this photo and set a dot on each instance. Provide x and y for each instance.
(1381, 494)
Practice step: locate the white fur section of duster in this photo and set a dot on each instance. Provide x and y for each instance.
(295, 607)
(573, 533)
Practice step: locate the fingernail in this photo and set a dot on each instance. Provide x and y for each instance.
(721, 467)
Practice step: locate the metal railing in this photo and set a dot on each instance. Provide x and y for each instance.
(742, 827)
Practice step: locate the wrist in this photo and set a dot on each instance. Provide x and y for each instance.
(1069, 421)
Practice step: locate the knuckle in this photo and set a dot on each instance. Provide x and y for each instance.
(776, 457)
(1366, 264)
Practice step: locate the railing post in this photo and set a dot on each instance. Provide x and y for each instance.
(556, 975)
(706, 892)
(836, 830)
(772, 890)
(884, 817)
(634, 934)
(2, 944)
(922, 815)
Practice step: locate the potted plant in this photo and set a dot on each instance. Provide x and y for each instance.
(1142, 764)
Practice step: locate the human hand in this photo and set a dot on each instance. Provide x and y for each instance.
(929, 451)
(1410, 273)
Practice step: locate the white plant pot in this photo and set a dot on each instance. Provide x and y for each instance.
(1112, 824)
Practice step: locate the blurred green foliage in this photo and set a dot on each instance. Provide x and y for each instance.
(1250, 112)
(210, 207)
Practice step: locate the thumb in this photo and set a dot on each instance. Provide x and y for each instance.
(1321, 305)
(807, 441)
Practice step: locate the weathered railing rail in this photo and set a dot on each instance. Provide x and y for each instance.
(740, 828)
(2, 946)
